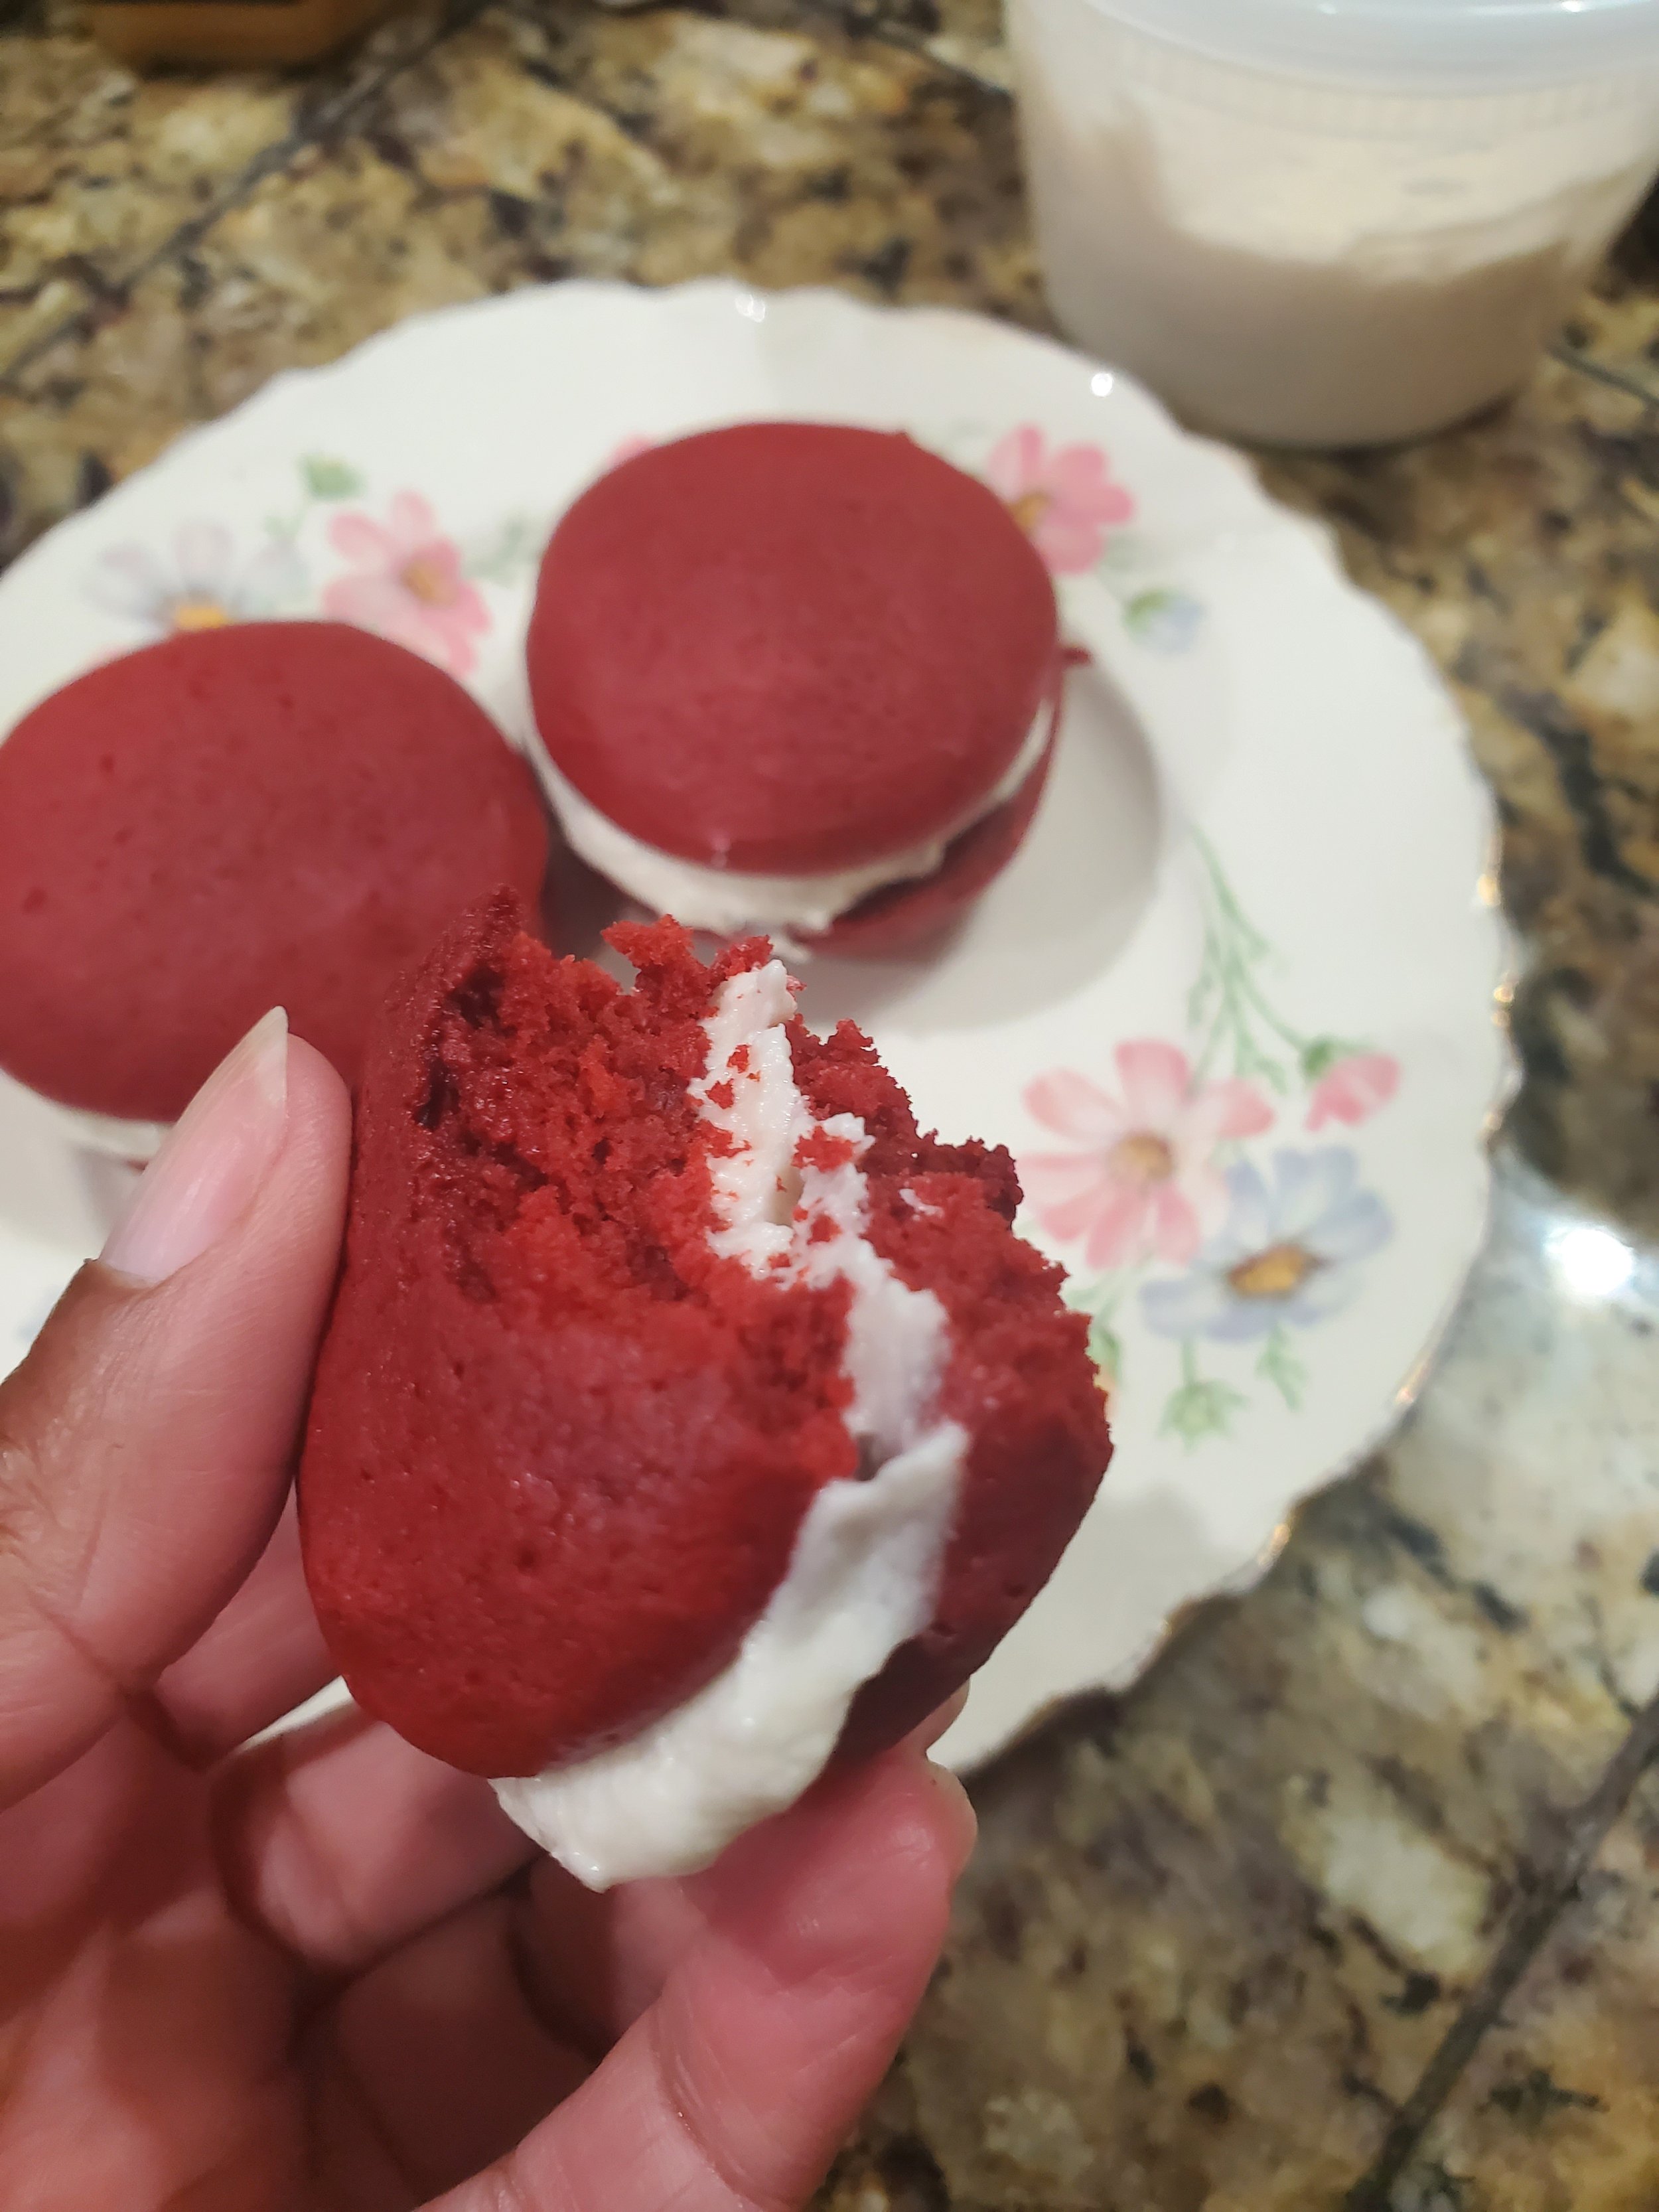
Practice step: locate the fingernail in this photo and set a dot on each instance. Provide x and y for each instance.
(941, 1718)
(208, 1171)
(958, 1810)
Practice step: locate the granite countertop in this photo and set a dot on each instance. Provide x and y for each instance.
(1353, 1900)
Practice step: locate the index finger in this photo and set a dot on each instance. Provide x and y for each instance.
(145, 1443)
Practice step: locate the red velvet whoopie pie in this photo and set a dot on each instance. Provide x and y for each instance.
(795, 677)
(668, 1346)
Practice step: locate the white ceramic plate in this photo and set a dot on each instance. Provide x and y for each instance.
(1235, 1006)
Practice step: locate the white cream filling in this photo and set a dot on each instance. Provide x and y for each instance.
(731, 903)
(864, 1573)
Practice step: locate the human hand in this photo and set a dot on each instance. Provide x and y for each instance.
(323, 1971)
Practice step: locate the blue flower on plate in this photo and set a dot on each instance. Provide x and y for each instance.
(1290, 1251)
(1167, 621)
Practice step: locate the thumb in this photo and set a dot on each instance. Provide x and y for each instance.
(732, 2093)
(146, 1441)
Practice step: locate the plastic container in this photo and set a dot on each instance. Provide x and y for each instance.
(1330, 222)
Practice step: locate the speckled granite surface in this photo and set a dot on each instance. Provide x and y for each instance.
(1355, 1899)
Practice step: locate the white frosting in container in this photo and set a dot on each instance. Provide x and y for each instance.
(731, 903)
(863, 1575)
(1290, 242)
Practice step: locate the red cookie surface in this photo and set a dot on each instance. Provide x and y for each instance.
(271, 814)
(787, 648)
(558, 1451)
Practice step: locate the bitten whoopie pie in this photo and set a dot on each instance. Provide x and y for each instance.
(687, 1417)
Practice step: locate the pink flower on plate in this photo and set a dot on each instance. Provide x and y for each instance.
(630, 450)
(1353, 1089)
(1144, 1186)
(408, 585)
(1063, 499)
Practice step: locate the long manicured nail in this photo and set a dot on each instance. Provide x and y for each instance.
(209, 1172)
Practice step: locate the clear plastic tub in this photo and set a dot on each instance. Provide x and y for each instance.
(1327, 222)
